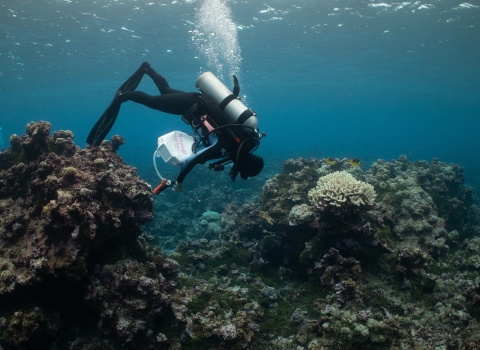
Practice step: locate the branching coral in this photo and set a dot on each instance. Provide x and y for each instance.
(341, 190)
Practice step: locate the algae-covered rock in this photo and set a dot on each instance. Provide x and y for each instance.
(59, 192)
(63, 221)
(375, 277)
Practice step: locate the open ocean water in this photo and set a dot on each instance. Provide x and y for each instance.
(346, 78)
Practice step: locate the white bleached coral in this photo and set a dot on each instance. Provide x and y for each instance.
(340, 190)
(228, 332)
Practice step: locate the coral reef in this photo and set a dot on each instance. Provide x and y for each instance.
(59, 205)
(131, 297)
(71, 245)
(392, 264)
(178, 216)
(222, 311)
(393, 275)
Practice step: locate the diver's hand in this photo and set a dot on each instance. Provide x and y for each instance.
(178, 187)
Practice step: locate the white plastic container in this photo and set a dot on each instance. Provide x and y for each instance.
(175, 147)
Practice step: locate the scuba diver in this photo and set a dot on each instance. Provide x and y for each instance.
(223, 125)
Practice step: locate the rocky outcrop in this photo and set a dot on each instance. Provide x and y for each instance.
(71, 247)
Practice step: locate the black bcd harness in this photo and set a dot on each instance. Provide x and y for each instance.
(206, 105)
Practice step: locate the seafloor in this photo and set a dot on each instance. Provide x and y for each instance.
(317, 256)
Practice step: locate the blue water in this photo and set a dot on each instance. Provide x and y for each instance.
(365, 79)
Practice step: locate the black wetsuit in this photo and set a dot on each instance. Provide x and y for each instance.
(217, 145)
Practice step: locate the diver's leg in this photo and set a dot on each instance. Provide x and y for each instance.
(175, 103)
(132, 83)
(160, 81)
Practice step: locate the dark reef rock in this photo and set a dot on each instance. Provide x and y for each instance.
(60, 204)
(122, 292)
(421, 197)
(66, 215)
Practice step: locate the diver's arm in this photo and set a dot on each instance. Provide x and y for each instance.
(212, 152)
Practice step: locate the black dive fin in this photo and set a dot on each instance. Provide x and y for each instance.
(106, 120)
(132, 83)
(104, 124)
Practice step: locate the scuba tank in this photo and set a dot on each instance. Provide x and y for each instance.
(233, 118)
(234, 111)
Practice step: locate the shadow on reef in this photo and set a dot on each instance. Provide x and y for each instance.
(323, 257)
